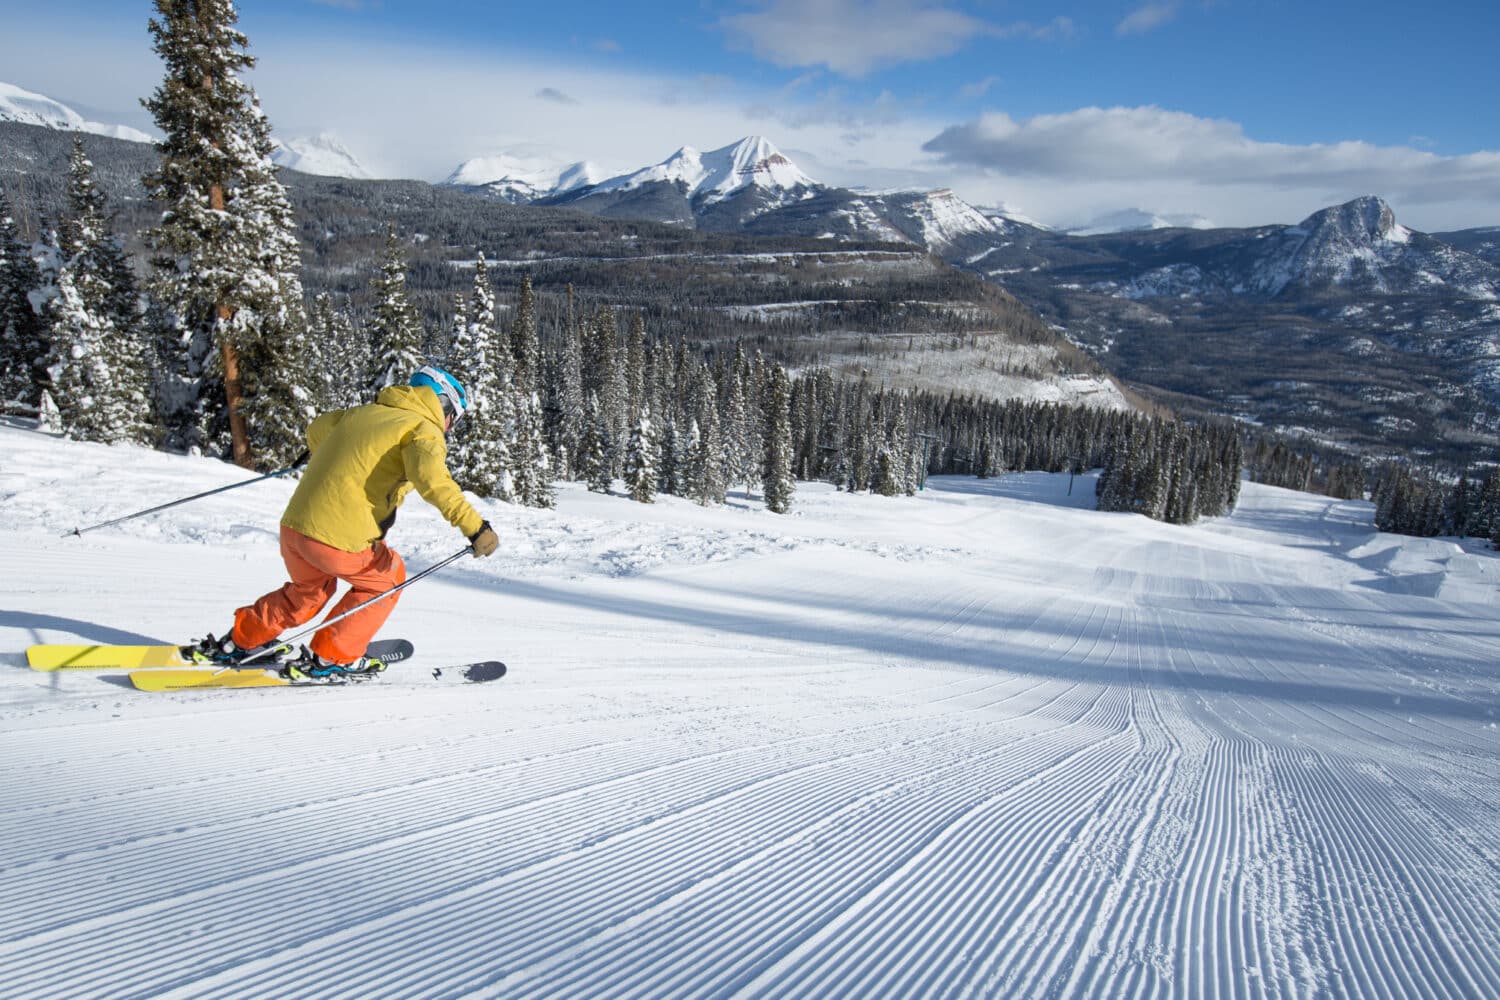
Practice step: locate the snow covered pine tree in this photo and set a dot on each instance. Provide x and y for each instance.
(226, 250)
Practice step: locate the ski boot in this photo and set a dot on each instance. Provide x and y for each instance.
(224, 652)
(310, 668)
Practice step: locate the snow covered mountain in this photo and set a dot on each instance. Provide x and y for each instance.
(1354, 247)
(521, 178)
(1360, 245)
(939, 220)
(715, 176)
(1347, 324)
(1483, 242)
(722, 189)
(18, 105)
(324, 155)
(747, 186)
(1004, 216)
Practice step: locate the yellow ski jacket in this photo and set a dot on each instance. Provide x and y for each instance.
(365, 460)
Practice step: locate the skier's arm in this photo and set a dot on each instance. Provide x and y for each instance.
(427, 469)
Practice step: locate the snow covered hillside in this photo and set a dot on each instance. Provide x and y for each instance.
(18, 105)
(324, 155)
(982, 741)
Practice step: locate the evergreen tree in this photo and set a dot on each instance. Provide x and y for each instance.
(614, 392)
(533, 473)
(97, 362)
(270, 320)
(778, 484)
(740, 460)
(857, 447)
(338, 357)
(524, 345)
(1485, 521)
(669, 469)
(887, 481)
(635, 368)
(568, 427)
(23, 338)
(480, 449)
(706, 482)
(531, 465)
(984, 461)
(1462, 506)
(593, 448)
(915, 469)
(323, 350)
(226, 250)
(396, 332)
(757, 386)
(457, 330)
(603, 377)
(640, 460)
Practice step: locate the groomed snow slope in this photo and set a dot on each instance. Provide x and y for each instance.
(980, 742)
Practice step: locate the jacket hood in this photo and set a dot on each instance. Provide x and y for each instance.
(417, 398)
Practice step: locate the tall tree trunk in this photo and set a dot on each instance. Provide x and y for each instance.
(239, 436)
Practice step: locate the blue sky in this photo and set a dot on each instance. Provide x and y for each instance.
(1230, 111)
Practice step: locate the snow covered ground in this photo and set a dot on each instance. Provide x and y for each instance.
(981, 742)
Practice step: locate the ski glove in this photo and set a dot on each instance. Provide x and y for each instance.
(484, 542)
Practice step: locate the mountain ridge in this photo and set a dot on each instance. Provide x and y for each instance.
(1347, 327)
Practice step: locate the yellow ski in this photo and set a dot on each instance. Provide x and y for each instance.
(75, 657)
(204, 677)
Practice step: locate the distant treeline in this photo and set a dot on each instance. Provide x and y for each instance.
(1409, 498)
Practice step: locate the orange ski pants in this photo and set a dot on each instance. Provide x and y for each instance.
(316, 570)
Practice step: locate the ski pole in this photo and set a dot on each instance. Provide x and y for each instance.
(465, 551)
(301, 461)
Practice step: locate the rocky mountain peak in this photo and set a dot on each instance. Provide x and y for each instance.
(1364, 220)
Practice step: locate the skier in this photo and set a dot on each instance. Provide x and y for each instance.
(363, 461)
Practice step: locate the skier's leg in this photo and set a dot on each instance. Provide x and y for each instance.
(368, 574)
(295, 603)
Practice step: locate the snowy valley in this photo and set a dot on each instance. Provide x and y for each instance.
(980, 741)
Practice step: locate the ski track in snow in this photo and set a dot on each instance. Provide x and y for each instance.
(980, 742)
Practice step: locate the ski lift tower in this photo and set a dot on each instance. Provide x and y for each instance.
(926, 440)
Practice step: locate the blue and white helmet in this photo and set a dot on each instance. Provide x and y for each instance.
(450, 392)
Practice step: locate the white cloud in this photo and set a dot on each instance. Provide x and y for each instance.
(407, 111)
(1172, 161)
(977, 89)
(852, 37)
(1148, 18)
(1148, 143)
(411, 112)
